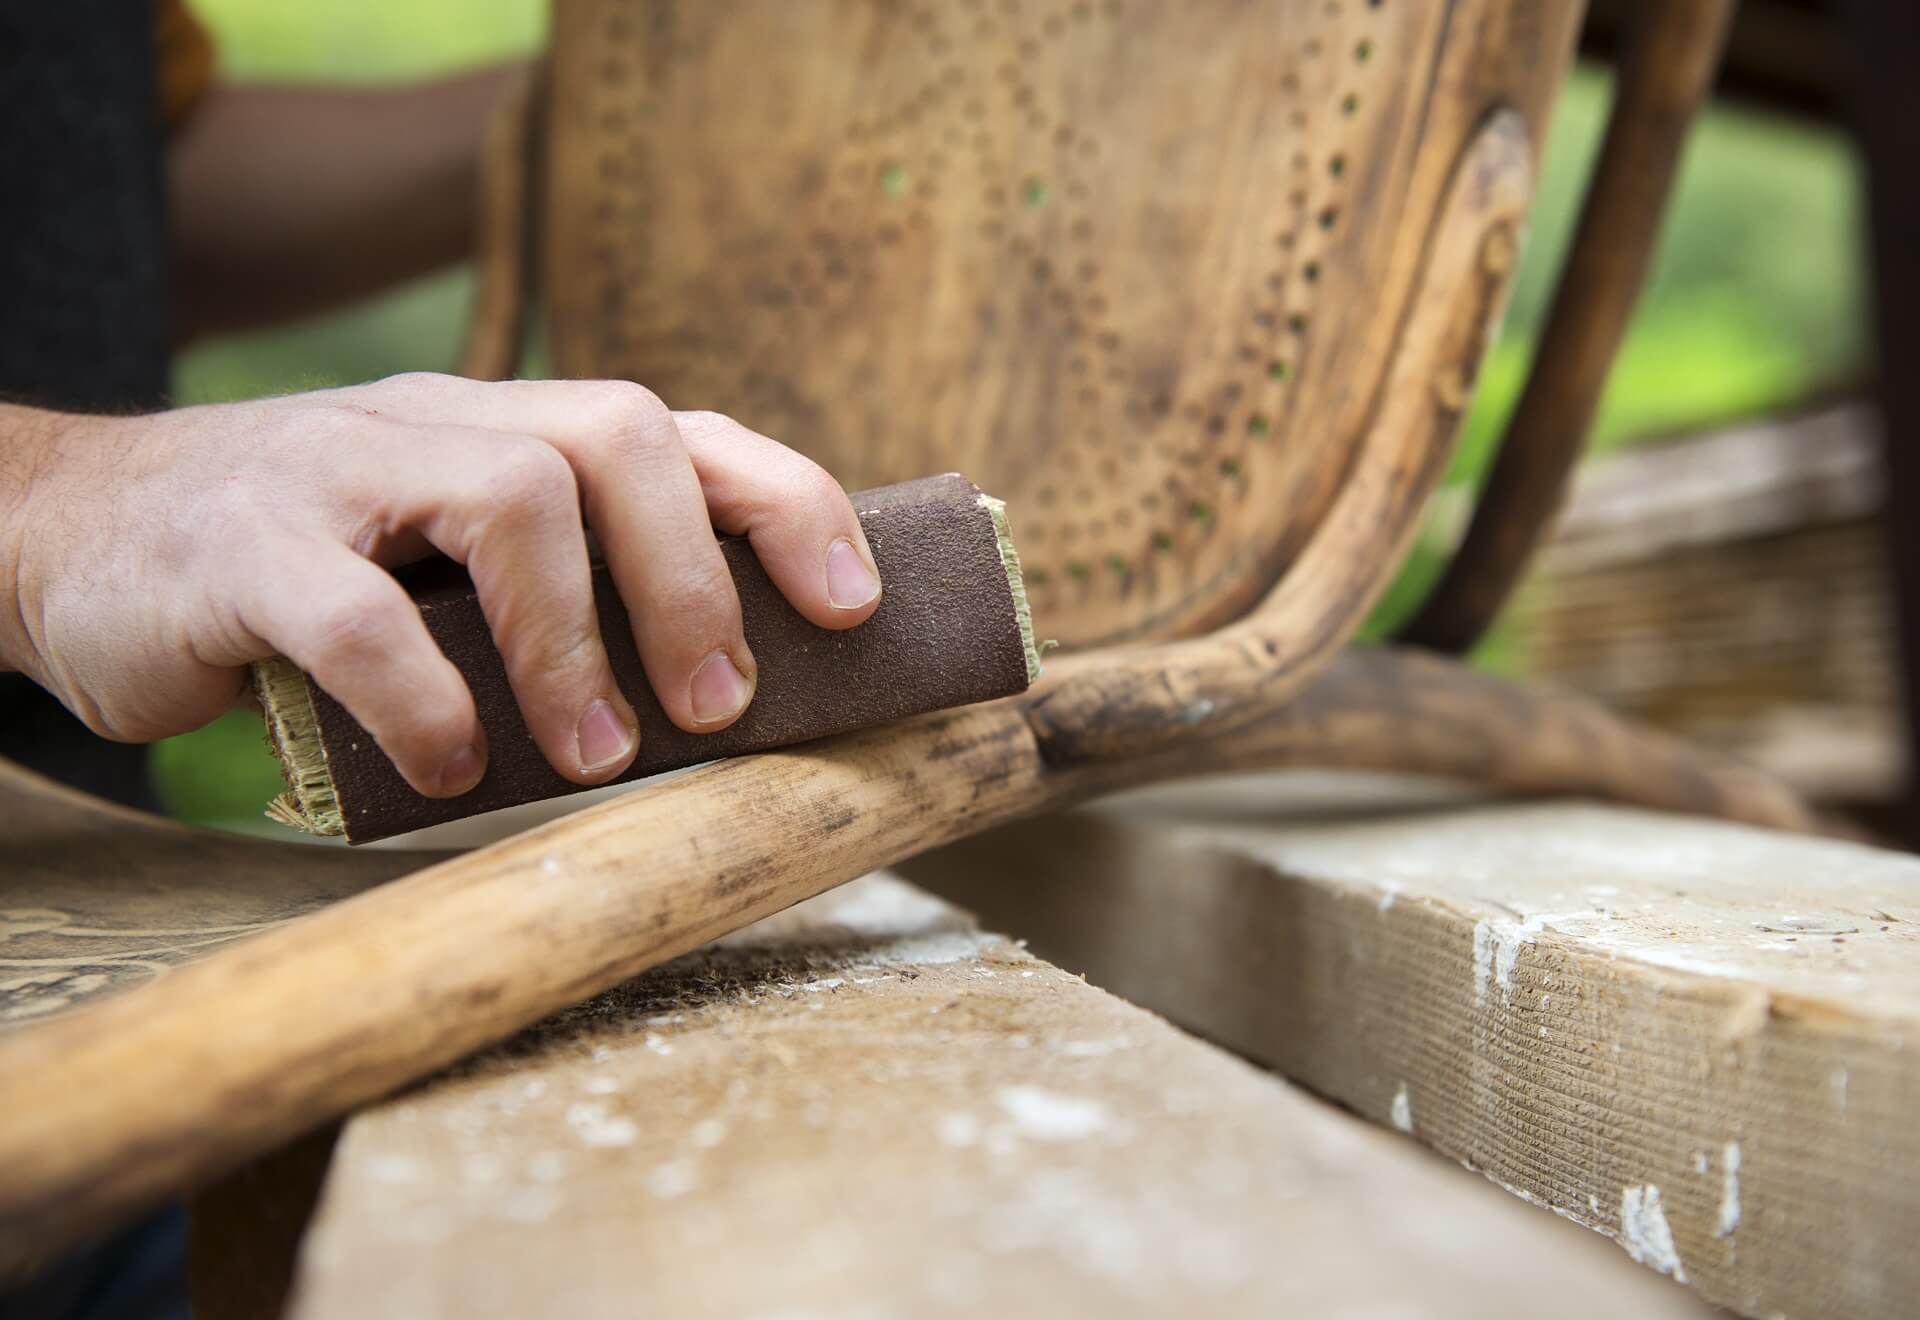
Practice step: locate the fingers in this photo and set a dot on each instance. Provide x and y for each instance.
(355, 630)
(508, 508)
(797, 518)
(795, 515)
(645, 503)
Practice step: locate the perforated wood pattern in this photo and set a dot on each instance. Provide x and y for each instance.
(1135, 267)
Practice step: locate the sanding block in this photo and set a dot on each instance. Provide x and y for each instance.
(952, 628)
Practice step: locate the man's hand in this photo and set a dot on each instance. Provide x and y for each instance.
(146, 561)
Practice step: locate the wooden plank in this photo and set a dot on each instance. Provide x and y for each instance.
(869, 1107)
(1692, 1037)
(1733, 587)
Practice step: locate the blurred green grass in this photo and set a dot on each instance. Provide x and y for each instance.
(1756, 299)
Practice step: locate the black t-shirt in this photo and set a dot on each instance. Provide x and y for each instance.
(86, 308)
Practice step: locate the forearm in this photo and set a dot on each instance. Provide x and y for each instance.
(286, 200)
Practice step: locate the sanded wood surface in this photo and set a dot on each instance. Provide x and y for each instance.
(96, 899)
(1143, 269)
(1700, 1039)
(868, 1107)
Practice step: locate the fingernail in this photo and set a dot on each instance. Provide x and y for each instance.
(850, 583)
(717, 691)
(462, 771)
(604, 737)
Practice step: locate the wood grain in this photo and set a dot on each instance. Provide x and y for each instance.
(1143, 270)
(96, 899)
(1596, 1007)
(1733, 588)
(1106, 706)
(868, 1106)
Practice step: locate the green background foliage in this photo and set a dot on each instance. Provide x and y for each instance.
(1756, 300)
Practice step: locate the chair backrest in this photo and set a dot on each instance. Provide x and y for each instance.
(1139, 268)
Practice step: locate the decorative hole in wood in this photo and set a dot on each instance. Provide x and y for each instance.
(1040, 280)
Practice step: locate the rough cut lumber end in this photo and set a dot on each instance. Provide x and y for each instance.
(953, 628)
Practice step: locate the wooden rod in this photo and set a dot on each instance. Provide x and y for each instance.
(1664, 79)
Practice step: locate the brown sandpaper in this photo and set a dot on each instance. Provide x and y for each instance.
(951, 629)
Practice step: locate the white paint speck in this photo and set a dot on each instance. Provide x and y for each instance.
(708, 1133)
(551, 865)
(528, 1205)
(674, 1178)
(1388, 892)
(1497, 942)
(659, 1046)
(534, 1089)
(946, 946)
(1729, 1190)
(1048, 1116)
(394, 1168)
(1644, 1231)
(601, 1086)
(1402, 1111)
(831, 983)
(597, 1128)
(601, 1054)
(1093, 1049)
(1699, 1161)
(959, 1130)
(481, 1169)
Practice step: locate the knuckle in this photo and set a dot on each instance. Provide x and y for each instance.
(796, 489)
(707, 425)
(702, 597)
(527, 477)
(411, 382)
(354, 625)
(567, 648)
(440, 721)
(815, 485)
(630, 418)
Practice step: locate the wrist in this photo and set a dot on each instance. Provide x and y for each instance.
(29, 442)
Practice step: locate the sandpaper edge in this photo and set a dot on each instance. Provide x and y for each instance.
(311, 802)
(1016, 581)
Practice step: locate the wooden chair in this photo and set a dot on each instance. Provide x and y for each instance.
(1201, 291)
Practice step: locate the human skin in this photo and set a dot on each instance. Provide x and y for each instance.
(146, 561)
